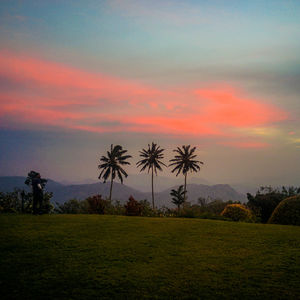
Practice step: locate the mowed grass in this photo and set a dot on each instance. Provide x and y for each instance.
(117, 257)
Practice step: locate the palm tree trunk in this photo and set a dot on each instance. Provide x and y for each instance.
(152, 189)
(111, 186)
(185, 175)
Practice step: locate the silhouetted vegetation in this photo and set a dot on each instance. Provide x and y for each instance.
(185, 162)
(20, 201)
(111, 165)
(266, 200)
(178, 196)
(151, 159)
(287, 212)
(72, 206)
(133, 207)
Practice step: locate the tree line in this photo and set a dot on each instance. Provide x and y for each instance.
(184, 161)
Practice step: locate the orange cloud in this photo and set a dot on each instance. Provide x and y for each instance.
(43, 92)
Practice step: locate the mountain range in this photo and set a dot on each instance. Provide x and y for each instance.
(121, 192)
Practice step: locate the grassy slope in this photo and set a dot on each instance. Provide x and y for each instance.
(92, 257)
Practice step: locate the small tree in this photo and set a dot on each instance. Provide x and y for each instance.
(133, 207)
(97, 205)
(178, 196)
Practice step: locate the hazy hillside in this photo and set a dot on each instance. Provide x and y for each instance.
(142, 182)
(8, 183)
(62, 193)
(82, 191)
(219, 191)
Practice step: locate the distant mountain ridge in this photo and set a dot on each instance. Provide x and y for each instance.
(62, 193)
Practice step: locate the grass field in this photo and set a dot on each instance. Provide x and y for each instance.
(116, 257)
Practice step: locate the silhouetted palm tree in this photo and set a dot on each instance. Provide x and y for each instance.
(185, 162)
(111, 165)
(178, 196)
(151, 160)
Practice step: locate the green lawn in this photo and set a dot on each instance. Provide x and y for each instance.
(116, 257)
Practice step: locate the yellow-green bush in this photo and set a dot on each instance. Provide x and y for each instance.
(237, 212)
(287, 212)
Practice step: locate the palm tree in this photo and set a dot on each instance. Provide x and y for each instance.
(151, 160)
(185, 162)
(112, 165)
(178, 196)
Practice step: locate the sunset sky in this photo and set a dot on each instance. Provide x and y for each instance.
(77, 76)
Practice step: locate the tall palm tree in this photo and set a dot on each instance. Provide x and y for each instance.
(185, 162)
(111, 165)
(151, 159)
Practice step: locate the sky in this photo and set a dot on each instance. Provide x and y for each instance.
(224, 76)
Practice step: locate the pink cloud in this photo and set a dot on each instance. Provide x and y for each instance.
(58, 95)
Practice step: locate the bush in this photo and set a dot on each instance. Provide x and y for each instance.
(190, 211)
(9, 202)
(20, 201)
(287, 212)
(72, 206)
(115, 209)
(97, 205)
(237, 212)
(215, 207)
(267, 199)
(133, 207)
(147, 210)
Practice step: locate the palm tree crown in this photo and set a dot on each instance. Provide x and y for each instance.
(185, 162)
(151, 159)
(111, 165)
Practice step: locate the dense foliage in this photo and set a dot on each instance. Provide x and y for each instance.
(237, 212)
(266, 200)
(133, 207)
(72, 206)
(20, 201)
(287, 212)
(97, 205)
(178, 196)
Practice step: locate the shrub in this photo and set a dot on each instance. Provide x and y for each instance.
(19, 201)
(267, 199)
(147, 210)
(190, 211)
(97, 205)
(9, 202)
(237, 212)
(215, 207)
(133, 207)
(115, 209)
(72, 206)
(287, 212)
